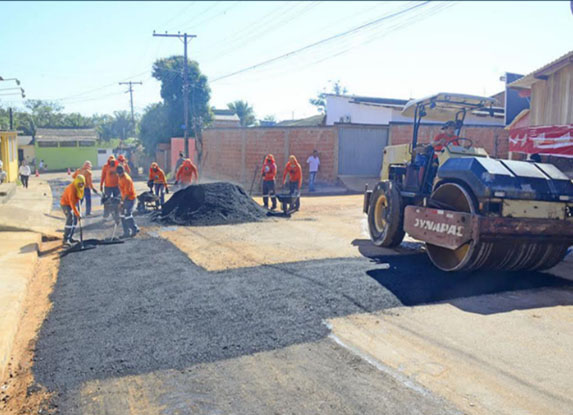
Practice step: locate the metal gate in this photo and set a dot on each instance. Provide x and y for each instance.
(360, 149)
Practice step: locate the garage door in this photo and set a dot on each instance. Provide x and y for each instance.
(360, 149)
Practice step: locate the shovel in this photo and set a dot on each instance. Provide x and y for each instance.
(80, 246)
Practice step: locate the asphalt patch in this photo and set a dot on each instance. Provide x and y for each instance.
(210, 204)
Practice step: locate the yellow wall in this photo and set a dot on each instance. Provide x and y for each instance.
(9, 154)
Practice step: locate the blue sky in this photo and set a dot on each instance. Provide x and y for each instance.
(77, 52)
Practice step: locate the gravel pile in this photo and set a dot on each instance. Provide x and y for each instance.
(210, 204)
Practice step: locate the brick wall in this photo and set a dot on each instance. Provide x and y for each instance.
(233, 153)
(493, 139)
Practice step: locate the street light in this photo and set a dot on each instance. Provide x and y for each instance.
(10, 79)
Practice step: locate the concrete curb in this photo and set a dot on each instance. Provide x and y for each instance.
(18, 259)
(24, 219)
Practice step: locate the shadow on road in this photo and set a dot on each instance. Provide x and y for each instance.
(414, 280)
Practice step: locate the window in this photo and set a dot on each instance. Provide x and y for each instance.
(68, 144)
(102, 151)
(87, 143)
(47, 143)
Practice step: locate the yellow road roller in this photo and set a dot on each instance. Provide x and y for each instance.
(472, 211)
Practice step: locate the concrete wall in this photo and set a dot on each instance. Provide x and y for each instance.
(234, 153)
(492, 138)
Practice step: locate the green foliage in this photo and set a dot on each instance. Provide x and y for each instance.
(169, 71)
(154, 126)
(320, 101)
(270, 118)
(244, 111)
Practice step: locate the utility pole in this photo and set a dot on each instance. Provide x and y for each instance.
(130, 83)
(185, 38)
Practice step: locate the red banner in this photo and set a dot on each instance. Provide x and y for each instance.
(555, 140)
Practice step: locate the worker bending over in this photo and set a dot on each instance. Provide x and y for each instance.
(185, 174)
(69, 201)
(122, 161)
(269, 172)
(128, 197)
(86, 171)
(294, 172)
(157, 181)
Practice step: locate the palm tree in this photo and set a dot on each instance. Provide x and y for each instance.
(244, 111)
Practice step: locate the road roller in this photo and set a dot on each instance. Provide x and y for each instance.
(472, 211)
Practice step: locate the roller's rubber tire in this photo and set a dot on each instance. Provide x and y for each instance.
(386, 215)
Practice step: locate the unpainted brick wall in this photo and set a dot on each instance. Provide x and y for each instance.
(493, 139)
(233, 154)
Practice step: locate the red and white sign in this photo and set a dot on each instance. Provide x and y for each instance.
(555, 140)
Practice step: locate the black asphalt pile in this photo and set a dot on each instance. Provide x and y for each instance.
(210, 204)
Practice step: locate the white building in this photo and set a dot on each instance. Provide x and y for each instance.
(352, 109)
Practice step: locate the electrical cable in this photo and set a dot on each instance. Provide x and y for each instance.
(323, 41)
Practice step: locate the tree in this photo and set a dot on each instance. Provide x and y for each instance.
(244, 111)
(270, 118)
(320, 101)
(169, 71)
(154, 126)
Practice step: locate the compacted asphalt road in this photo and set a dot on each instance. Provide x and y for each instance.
(143, 307)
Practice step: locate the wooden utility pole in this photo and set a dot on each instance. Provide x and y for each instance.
(130, 83)
(185, 38)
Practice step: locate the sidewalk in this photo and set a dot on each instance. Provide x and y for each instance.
(29, 209)
(24, 218)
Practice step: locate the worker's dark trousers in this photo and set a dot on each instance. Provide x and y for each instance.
(88, 199)
(24, 180)
(295, 191)
(160, 191)
(109, 192)
(71, 222)
(269, 189)
(127, 221)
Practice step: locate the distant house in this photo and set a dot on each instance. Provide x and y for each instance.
(314, 121)
(26, 150)
(353, 109)
(224, 118)
(547, 127)
(62, 148)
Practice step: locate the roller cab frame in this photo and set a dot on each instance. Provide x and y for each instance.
(472, 211)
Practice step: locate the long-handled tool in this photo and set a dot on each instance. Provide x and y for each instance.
(81, 246)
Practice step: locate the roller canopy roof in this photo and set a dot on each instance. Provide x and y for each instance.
(444, 106)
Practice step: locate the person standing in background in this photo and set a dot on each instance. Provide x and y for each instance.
(313, 164)
(86, 171)
(25, 173)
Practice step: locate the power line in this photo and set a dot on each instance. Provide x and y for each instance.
(320, 42)
(352, 45)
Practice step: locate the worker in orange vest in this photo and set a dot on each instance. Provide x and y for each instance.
(269, 171)
(185, 173)
(128, 197)
(122, 161)
(294, 172)
(157, 181)
(69, 201)
(86, 171)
